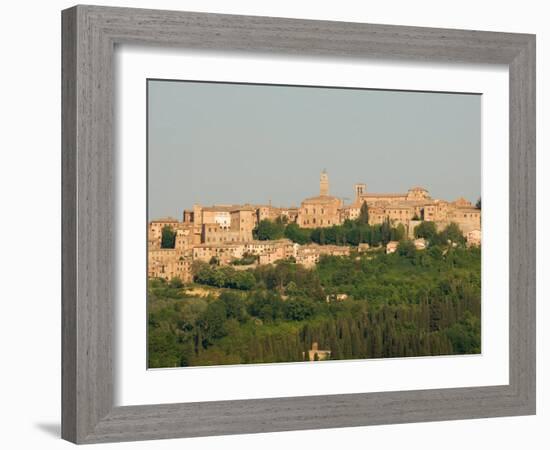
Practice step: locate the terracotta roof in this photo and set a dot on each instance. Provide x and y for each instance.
(228, 208)
(164, 219)
(322, 199)
(418, 188)
(383, 195)
(218, 208)
(463, 201)
(466, 209)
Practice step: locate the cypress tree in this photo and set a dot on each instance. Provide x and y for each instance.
(364, 214)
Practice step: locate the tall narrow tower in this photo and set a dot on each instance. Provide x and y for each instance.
(323, 184)
(360, 189)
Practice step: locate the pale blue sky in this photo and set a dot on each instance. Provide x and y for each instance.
(236, 143)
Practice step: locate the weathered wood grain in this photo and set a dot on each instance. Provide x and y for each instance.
(89, 36)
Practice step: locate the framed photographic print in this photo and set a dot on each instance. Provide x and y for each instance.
(278, 224)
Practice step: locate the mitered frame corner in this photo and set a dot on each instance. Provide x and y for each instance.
(89, 36)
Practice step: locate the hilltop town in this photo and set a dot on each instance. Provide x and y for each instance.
(225, 234)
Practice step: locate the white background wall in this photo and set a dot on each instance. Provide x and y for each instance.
(31, 208)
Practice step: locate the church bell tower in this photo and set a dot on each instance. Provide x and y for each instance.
(360, 189)
(323, 184)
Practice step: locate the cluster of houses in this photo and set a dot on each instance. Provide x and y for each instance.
(224, 233)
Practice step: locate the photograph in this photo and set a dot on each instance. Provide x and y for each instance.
(307, 224)
(258, 225)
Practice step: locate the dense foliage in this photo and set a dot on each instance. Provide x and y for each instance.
(222, 277)
(410, 303)
(351, 232)
(246, 260)
(428, 230)
(269, 230)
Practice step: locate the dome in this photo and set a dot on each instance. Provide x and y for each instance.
(418, 188)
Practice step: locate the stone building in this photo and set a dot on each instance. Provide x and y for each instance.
(259, 248)
(267, 251)
(168, 263)
(227, 224)
(411, 208)
(420, 244)
(226, 231)
(268, 212)
(321, 211)
(309, 255)
(350, 212)
(154, 232)
(315, 354)
(467, 218)
(277, 253)
(224, 253)
(213, 233)
(184, 240)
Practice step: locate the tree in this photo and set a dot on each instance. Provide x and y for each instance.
(398, 233)
(298, 309)
(213, 321)
(297, 234)
(410, 303)
(322, 238)
(426, 230)
(219, 278)
(385, 231)
(235, 306)
(168, 239)
(478, 203)
(268, 230)
(452, 233)
(176, 283)
(364, 214)
(243, 280)
(406, 248)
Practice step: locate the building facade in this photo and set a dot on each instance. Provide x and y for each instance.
(321, 211)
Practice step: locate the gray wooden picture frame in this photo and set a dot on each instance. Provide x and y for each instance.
(89, 37)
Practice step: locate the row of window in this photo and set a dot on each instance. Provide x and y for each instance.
(220, 239)
(314, 222)
(314, 211)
